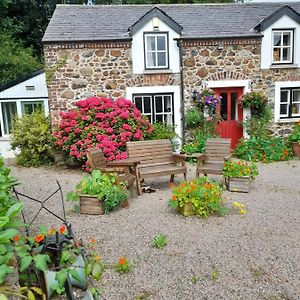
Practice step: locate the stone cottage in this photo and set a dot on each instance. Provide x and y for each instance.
(157, 56)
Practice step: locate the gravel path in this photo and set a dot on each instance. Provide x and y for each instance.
(252, 256)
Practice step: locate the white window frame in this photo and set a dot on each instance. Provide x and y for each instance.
(285, 103)
(281, 47)
(166, 51)
(295, 102)
(19, 105)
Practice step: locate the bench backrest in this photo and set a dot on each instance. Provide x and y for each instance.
(217, 148)
(151, 152)
(96, 159)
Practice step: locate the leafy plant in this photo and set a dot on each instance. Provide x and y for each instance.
(103, 186)
(103, 123)
(239, 169)
(295, 135)
(6, 184)
(32, 135)
(123, 265)
(257, 102)
(159, 241)
(193, 118)
(205, 196)
(214, 275)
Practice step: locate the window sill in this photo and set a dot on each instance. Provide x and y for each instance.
(289, 120)
(158, 71)
(284, 66)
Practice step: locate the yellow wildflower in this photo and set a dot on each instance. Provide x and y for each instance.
(243, 211)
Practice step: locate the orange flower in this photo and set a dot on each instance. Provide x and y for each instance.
(122, 261)
(51, 231)
(182, 184)
(16, 238)
(62, 229)
(39, 238)
(174, 198)
(93, 241)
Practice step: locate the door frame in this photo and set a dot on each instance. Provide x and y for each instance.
(245, 84)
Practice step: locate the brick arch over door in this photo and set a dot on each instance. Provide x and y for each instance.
(227, 75)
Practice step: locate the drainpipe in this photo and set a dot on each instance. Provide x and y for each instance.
(181, 90)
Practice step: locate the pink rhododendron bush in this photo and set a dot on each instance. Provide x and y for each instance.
(101, 123)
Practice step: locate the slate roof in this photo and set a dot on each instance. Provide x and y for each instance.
(110, 22)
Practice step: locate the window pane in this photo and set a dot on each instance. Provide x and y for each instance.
(296, 109)
(277, 39)
(224, 106)
(167, 104)
(286, 54)
(161, 42)
(283, 109)
(276, 54)
(151, 59)
(138, 103)
(9, 110)
(158, 118)
(147, 105)
(158, 104)
(286, 40)
(161, 59)
(150, 42)
(284, 96)
(234, 97)
(30, 107)
(296, 96)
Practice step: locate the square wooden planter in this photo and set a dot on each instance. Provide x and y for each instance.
(238, 184)
(186, 210)
(91, 205)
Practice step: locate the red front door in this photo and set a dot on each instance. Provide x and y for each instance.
(231, 114)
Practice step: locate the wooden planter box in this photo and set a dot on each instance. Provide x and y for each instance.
(91, 205)
(186, 210)
(238, 184)
(296, 148)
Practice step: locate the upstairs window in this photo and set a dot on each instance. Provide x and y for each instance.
(156, 51)
(289, 103)
(282, 47)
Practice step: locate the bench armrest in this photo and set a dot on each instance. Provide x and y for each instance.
(112, 170)
(179, 155)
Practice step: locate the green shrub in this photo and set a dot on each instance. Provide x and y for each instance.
(162, 131)
(265, 149)
(31, 134)
(194, 118)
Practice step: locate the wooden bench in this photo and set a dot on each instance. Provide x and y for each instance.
(212, 162)
(155, 159)
(120, 169)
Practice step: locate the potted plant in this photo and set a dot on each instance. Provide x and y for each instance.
(238, 175)
(256, 101)
(207, 101)
(98, 193)
(294, 138)
(200, 197)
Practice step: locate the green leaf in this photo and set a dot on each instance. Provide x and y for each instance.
(3, 249)
(30, 295)
(3, 297)
(74, 274)
(61, 277)
(65, 256)
(41, 261)
(14, 210)
(25, 263)
(7, 234)
(3, 221)
(97, 271)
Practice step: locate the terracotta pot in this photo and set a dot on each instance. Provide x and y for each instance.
(91, 205)
(186, 210)
(296, 148)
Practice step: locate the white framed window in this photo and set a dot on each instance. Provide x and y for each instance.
(11, 108)
(282, 46)
(156, 50)
(156, 107)
(289, 103)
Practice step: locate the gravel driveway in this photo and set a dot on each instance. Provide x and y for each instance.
(252, 256)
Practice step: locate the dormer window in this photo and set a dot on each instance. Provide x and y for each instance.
(282, 48)
(156, 50)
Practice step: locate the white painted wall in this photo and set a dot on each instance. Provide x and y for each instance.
(161, 89)
(266, 46)
(19, 90)
(138, 49)
(279, 85)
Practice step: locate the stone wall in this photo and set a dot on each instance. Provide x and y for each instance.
(93, 69)
(235, 59)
